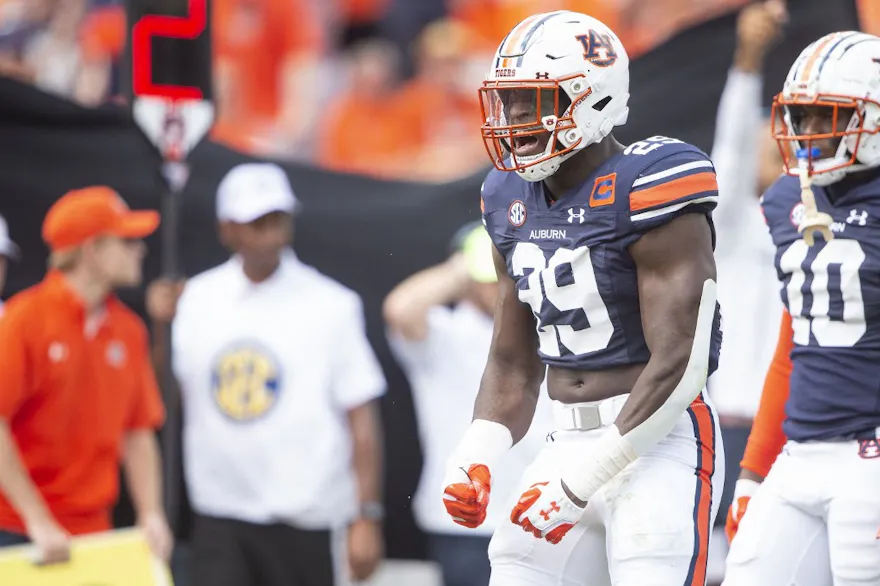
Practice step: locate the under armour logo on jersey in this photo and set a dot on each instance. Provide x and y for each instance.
(856, 216)
(542, 75)
(579, 215)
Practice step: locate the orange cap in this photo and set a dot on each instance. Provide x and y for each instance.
(85, 213)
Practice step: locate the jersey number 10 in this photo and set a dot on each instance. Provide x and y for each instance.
(830, 324)
(582, 293)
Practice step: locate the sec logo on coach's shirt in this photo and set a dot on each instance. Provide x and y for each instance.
(246, 380)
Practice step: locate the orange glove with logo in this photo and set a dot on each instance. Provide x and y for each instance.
(545, 511)
(468, 480)
(742, 494)
(467, 499)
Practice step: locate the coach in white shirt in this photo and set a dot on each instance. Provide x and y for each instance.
(8, 251)
(279, 384)
(439, 328)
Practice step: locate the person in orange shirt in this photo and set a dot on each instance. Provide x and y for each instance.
(77, 390)
(367, 109)
(439, 108)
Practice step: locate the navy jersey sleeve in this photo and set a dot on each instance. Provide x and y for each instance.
(670, 185)
(491, 204)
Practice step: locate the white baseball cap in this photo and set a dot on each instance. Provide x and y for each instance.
(7, 246)
(252, 190)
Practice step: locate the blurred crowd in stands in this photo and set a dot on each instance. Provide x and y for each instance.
(378, 87)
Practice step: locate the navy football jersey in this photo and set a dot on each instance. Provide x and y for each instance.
(570, 260)
(832, 291)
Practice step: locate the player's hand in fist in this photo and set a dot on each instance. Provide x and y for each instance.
(466, 494)
(468, 481)
(742, 494)
(51, 541)
(546, 511)
(759, 25)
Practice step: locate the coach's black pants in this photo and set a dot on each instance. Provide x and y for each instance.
(226, 552)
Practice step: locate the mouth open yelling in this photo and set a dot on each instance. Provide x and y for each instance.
(529, 145)
(522, 120)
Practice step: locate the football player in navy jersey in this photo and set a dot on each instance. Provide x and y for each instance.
(604, 254)
(822, 393)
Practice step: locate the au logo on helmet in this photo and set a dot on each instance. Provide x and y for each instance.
(598, 48)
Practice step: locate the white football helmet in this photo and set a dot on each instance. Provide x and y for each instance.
(840, 71)
(558, 83)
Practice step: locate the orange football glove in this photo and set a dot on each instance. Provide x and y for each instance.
(545, 511)
(742, 494)
(466, 498)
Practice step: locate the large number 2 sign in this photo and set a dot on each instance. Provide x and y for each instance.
(582, 293)
(841, 324)
(152, 26)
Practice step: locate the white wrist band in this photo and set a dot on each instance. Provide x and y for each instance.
(613, 454)
(745, 487)
(484, 442)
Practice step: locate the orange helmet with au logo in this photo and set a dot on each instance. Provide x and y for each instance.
(836, 78)
(558, 83)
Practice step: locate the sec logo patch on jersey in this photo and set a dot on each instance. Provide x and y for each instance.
(516, 213)
(246, 381)
(603, 191)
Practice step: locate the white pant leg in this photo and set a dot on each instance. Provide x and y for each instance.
(853, 516)
(782, 540)
(661, 509)
(649, 526)
(520, 559)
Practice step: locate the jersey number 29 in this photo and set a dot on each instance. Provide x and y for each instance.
(582, 293)
(836, 316)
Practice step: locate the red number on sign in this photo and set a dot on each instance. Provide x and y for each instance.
(173, 27)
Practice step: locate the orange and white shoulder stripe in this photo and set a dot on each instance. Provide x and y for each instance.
(672, 189)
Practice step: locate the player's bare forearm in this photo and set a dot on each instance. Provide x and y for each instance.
(143, 471)
(366, 438)
(673, 263)
(512, 378)
(746, 474)
(17, 484)
(508, 394)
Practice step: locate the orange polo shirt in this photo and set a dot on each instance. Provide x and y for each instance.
(70, 396)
